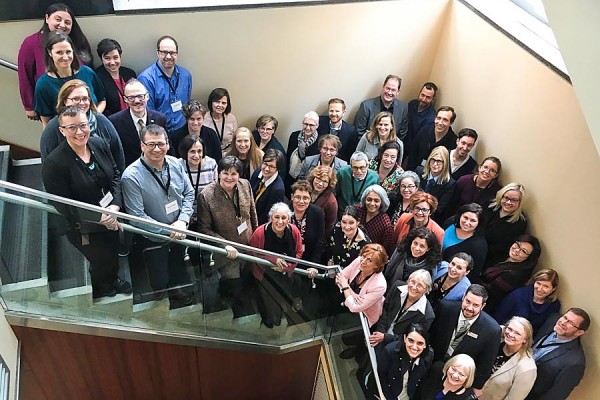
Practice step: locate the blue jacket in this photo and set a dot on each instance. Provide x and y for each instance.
(458, 291)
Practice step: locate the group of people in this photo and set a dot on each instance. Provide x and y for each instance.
(425, 236)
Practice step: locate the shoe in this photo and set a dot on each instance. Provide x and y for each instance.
(103, 291)
(159, 295)
(181, 296)
(122, 286)
(297, 304)
(348, 353)
(267, 324)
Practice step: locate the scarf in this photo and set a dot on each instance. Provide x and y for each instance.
(304, 143)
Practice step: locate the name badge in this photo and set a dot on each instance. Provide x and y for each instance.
(472, 334)
(242, 227)
(171, 207)
(106, 200)
(176, 106)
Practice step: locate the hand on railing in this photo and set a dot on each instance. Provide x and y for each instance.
(280, 265)
(178, 225)
(110, 221)
(232, 253)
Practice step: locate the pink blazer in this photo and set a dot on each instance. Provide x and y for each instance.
(370, 298)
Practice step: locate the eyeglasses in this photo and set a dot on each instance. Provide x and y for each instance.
(436, 161)
(307, 125)
(329, 149)
(137, 97)
(490, 169)
(522, 249)
(569, 322)
(152, 146)
(407, 187)
(165, 53)
(72, 129)
(510, 200)
(321, 181)
(82, 99)
(268, 166)
(301, 198)
(363, 168)
(265, 129)
(419, 210)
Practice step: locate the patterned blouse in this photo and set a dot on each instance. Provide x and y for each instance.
(391, 183)
(342, 250)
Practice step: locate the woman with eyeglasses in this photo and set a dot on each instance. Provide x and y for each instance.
(383, 130)
(267, 185)
(422, 205)
(77, 93)
(479, 188)
(535, 302)
(371, 214)
(387, 165)
(514, 371)
(508, 275)
(420, 249)
(82, 168)
(301, 144)
(194, 113)
(113, 75)
(264, 137)
(323, 180)
(453, 382)
(462, 234)
(504, 221)
(400, 199)
(61, 67)
(436, 179)
(58, 17)
(220, 118)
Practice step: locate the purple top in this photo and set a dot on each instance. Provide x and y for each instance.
(31, 67)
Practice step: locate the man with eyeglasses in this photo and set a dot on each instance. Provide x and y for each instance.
(157, 188)
(440, 133)
(386, 101)
(353, 179)
(329, 146)
(130, 122)
(169, 85)
(333, 124)
(559, 355)
(464, 328)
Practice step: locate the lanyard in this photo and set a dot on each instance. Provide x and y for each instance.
(168, 78)
(88, 169)
(159, 180)
(222, 133)
(197, 183)
(354, 194)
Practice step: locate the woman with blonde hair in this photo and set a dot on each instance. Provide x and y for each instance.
(536, 302)
(514, 370)
(383, 130)
(245, 149)
(454, 381)
(436, 179)
(77, 93)
(504, 221)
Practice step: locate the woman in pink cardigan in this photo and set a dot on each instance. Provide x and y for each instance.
(362, 283)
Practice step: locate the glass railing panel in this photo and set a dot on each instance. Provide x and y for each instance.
(203, 299)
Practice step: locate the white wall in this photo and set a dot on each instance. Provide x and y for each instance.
(9, 351)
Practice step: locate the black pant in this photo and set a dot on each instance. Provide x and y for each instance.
(164, 263)
(101, 252)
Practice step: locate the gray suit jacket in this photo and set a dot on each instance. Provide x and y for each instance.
(311, 162)
(371, 107)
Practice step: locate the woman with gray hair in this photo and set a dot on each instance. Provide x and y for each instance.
(400, 200)
(371, 214)
(281, 237)
(302, 143)
(194, 113)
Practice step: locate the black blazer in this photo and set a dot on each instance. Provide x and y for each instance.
(481, 341)
(313, 239)
(559, 371)
(212, 144)
(65, 175)
(128, 132)
(348, 135)
(391, 307)
(476, 247)
(274, 193)
(441, 191)
(424, 142)
(465, 169)
(113, 104)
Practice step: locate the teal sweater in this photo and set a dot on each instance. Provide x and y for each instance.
(349, 190)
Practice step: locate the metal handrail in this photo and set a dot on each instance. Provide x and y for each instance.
(9, 65)
(190, 243)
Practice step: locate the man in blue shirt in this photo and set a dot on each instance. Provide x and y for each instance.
(169, 85)
(156, 187)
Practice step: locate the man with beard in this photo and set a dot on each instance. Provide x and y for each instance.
(432, 136)
(334, 124)
(421, 112)
(130, 122)
(386, 101)
(461, 163)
